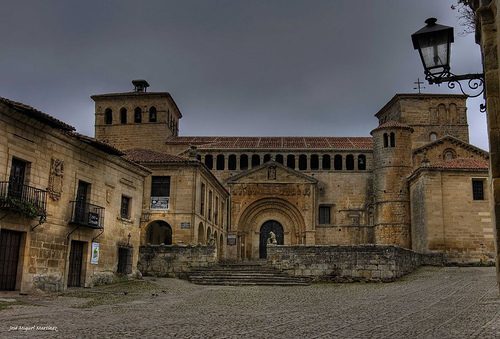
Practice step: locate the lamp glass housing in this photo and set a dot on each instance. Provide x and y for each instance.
(433, 43)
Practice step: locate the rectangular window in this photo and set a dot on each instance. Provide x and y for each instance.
(209, 205)
(160, 193)
(202, 199)
(216, 211)
(17, 178)
(324, 214)
(125, 207)
(478, 189)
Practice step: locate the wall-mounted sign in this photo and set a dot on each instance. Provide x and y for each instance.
(185, 225)
(95, 253)
(159, 203)
(93, 219)
(231, 239)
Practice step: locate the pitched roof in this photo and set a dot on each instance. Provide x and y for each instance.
(141, 155)
(36, 114)
(393, 124)
(274, 142)
(461, 163)
(454, 141)
(96, 143)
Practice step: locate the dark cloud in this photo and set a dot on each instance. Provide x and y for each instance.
(233, 67)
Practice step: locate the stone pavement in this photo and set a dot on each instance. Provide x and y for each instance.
(433, 302)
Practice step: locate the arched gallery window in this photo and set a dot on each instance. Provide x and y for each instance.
(108, 116)
(123, 115)
(349, 162)
(137, 115)
(152, 114)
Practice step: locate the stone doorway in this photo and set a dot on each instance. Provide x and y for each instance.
(75, 264)
(10, 244)
(265, 229)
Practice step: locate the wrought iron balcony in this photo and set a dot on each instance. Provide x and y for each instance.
(85, 214)
(26, 200)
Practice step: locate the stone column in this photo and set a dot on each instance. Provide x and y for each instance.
(488, 38)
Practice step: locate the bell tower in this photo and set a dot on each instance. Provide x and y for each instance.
(136, 119)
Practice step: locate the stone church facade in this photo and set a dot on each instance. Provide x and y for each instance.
(416, 183)
(75, 210)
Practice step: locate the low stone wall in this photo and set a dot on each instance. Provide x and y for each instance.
(348, 263)
(174, 260)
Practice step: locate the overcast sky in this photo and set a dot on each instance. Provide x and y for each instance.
(234, 68)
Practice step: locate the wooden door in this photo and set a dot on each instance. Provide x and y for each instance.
(10, 243)
(75, 264)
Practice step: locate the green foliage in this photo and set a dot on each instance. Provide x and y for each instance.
(24, 208)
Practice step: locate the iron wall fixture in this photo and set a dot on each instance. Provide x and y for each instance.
(433, 43)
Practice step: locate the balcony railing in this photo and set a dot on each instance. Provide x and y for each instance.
(86, 214)
(26, 200)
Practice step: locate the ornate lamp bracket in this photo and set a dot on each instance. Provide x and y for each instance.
(474, 82)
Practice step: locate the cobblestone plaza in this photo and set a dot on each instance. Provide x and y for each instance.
(446, 302)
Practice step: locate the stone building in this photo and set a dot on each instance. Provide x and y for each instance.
(75, 210)
(70, 206)
(416, 183)
(487, 19)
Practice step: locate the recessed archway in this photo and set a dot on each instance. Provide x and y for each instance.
(159, 232)
(262, 211)
(201, 234)
(265, 231)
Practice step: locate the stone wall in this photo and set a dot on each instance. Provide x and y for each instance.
(174, 260)
(348, 263)
(57, 161)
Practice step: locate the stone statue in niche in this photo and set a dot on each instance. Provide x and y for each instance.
(56, 179)
(271, 173)
(272, 238)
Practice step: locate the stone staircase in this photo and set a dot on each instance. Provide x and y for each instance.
(245, 273)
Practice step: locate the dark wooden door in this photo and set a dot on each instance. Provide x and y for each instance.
(266, 228)
(81, 202)
(16, 179)
(10, 243)
(75, 264)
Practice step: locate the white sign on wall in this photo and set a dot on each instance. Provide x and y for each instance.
(159, 203)
(95, 253)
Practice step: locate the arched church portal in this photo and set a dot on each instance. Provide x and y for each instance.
(159, 232)
(265, 231)
(258, 214)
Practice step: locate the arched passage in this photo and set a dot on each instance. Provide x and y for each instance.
(159, 232)
(263, 210)
(265, 231)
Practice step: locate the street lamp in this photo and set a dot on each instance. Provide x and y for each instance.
(433, 43)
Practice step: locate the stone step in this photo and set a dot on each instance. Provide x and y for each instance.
(247, 273)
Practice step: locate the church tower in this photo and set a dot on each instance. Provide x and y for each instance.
(137, 119)
(432, 116)
(392, 163)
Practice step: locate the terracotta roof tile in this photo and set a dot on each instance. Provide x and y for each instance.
(96, 143)
(461, 163)
(36, 114)
(147, 156)
(275, 142)
(392, 124)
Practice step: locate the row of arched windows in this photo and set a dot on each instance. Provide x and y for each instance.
(301, 162)
(108, 115)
